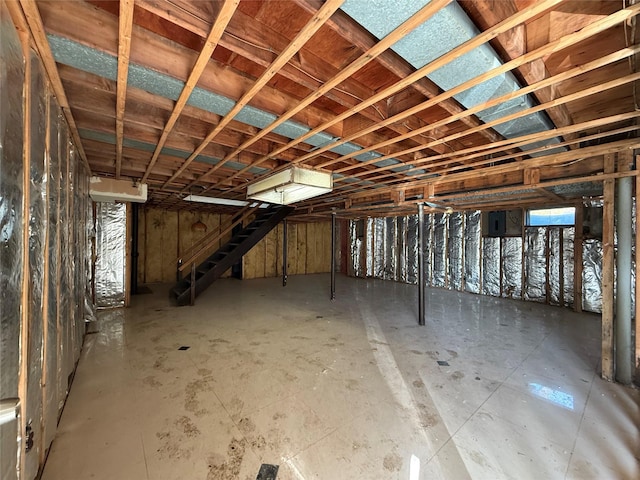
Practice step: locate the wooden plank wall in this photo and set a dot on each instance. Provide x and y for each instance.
(308, 251)
(165, 234)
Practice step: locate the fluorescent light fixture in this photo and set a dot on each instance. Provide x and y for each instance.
(291, 185)
(219, 201)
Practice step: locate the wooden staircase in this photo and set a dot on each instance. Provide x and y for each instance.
(207, 272)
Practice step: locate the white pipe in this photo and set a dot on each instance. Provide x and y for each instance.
(622, 325)
(8, 410)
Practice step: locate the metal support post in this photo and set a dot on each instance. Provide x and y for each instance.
(420, 264)
(333, 256)
(284, 253)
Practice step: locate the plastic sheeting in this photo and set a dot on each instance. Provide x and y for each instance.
(110, 248)
(11, 228)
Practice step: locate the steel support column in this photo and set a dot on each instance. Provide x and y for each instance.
(284, 253)
(333, 256)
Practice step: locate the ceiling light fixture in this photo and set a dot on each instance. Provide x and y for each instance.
(290, 186)
(219, 201)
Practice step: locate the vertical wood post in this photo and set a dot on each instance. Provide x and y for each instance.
(577, 259)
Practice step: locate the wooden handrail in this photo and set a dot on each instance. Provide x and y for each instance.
(194, 252)
(211, 234)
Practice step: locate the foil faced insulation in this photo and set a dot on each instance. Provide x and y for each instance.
(491, 266)
(472, 242)
(535, 265)
(37, 232)
(539, 267)
(511, 272)
(412, 248)
(11, 228)
(439, 247)
(456, 251)
(50, 406)
(110, 248)
(592, 275)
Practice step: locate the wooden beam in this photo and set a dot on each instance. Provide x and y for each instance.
(487, 152)
(513, 44)
(617, 82)
(344, 25)
(548, 160)
(607, 357)
(577, 258)
(503, 191)
(125, 24)
(414, 21)
(536, 54)
(224, 16)
(310, 29)
(488, 157)
(39, 36)
(23, 347)
(248, 38)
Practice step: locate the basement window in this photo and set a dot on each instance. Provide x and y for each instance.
(545, 217)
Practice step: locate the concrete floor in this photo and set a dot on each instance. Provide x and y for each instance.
(349, 389)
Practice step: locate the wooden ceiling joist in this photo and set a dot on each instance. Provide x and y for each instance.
(224, 16)
(389, 134)
(305, 34)
(125, 24)
(418, 74)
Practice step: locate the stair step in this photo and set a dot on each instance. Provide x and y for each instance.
(176, 292)
(211, 269)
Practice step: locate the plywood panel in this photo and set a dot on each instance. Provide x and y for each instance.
(142, 239)
(301, 249)
(271, 254)
(153, 244)
(279, 232)
(169, 245)
(249, 263)
(186, 236)
(260, 251)
(292, 249)
(313, 251)
(325, 234)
